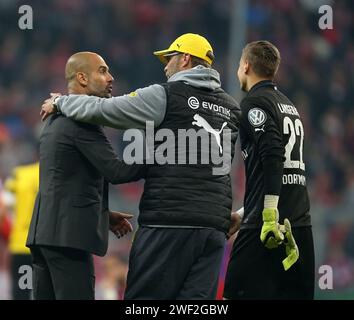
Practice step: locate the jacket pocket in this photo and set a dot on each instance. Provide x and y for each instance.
(82, 200)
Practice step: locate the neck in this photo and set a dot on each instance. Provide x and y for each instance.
(74, 88)
(252, 81)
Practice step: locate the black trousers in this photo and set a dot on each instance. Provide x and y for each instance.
(255, 272)
(16, 262)
(175, 263)
(62, 274)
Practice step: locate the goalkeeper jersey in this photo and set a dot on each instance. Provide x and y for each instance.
(272, 142)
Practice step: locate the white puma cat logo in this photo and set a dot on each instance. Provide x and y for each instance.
(259, 129)
(201, 122)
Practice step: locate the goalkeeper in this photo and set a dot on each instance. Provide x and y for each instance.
(273, 255)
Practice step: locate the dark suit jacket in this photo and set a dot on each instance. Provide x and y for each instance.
(71, 208)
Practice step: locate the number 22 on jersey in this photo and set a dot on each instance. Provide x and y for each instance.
(296, 131)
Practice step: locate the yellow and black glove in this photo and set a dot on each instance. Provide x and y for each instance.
(271, 234)
(291, 249)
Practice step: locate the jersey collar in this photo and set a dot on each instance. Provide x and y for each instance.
(263, 83)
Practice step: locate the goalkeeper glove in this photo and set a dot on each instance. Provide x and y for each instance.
(271, 235)
(291, 249)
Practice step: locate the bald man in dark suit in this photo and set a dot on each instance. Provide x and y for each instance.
(71, 219)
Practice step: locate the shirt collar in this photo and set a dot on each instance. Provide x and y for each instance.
(263, 83)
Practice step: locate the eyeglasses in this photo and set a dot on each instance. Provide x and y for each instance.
(169, 56)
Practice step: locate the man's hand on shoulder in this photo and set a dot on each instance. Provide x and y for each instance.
(49, 107)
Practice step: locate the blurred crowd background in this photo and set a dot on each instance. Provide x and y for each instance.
(316, 73)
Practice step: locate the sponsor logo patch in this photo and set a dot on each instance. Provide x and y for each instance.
(257, 117)
(193, 102)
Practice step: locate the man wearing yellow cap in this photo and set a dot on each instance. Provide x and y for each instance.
(185, 209)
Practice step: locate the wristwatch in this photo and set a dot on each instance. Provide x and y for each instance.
(55, 104)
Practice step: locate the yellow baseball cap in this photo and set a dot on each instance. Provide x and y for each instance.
(191, 43)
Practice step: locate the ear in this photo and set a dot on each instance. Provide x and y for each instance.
(246, 67)
(186, 60)
(82, 78)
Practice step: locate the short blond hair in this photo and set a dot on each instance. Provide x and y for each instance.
(264, 58)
